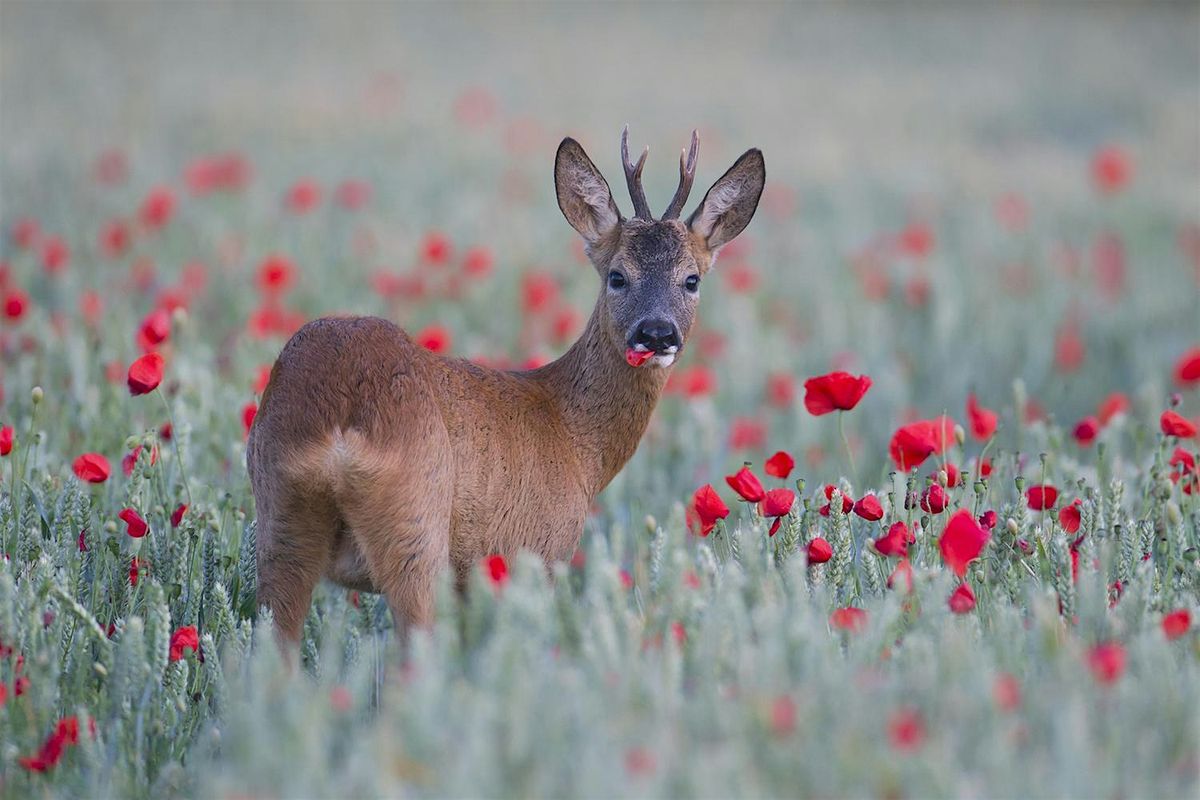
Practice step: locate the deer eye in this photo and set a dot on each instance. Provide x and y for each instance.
(616, 280)
(692, 284)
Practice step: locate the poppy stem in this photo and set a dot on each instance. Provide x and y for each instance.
(846, 444)
(175, 443)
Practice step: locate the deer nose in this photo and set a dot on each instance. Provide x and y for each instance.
(658, 335)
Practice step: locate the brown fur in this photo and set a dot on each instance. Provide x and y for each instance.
(378, 464)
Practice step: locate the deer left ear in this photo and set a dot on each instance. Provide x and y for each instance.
(731, 202)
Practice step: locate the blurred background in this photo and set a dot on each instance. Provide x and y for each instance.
(959, 196)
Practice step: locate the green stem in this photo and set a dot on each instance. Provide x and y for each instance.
(175, 443)
(846, 444)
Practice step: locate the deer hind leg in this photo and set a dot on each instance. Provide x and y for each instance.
(296, 529)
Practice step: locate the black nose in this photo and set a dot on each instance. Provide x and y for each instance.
(656, 335)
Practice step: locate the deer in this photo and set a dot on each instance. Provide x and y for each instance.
(378, 464)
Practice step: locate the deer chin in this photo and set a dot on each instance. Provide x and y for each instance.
(662, 361)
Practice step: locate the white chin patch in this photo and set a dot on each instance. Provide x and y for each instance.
(664, 360)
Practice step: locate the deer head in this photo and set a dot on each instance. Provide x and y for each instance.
(652, 268)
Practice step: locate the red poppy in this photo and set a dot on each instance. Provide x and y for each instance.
(1086, 431)
(130, 459)
(135, 571)
(145, 374)
(185, 638)
(783, 715)
(962, 542)
(16, 302)
(275, 274)
(66, 732)
(1187, 371)
(1006, 692)
(819, 551)
(777, 503)
(962, 599)
(709, 508)
(934, 499)
(154, 330)
(988, 519)
(916, 240)
(847, 501)
(177, 515)
(848, 619)
(1176, 624)
(434, 338)
(913, 443)
(903, 575)
(436, 248)
(352, 194)
(1069, 517)
(135, 526)
(1041, 498)
(1107, 662)
(779, 465)
(303, 196)
(55, 254)
(1173, 424)
(781, 390)
(1069, 350)
(837, 391)
(249, 412)
(25, 233)
(91, 467)
(906, 730)
(746, 485)
(747, 433)
(157, 208)
(496, 569)
(895, 542)
(1116, 403)
(1111, 169)
(982, 420)
(6, 440)
(869, 508)
(114, 238)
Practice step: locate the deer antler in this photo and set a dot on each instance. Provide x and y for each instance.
(687, 174)
(633, 177)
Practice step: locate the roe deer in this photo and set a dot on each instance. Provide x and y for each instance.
(376, 463)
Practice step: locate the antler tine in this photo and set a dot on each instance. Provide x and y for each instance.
(633, 177)
(687, 174)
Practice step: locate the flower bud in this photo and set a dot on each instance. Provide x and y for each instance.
(1173, 513)
(943, 478)
(36, 395)
(1012, 526)
(960, 435)
(651, 524)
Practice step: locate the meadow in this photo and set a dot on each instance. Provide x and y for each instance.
(918, 515)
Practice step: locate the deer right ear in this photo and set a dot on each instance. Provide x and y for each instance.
(731, 202)
(583, 194)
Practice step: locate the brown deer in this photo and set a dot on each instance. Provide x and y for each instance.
(376, 463)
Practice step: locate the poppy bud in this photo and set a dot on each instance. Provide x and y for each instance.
(36, 395)
(960, 435)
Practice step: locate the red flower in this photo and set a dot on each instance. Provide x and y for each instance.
(988, 519)
(982, 420)
(934, 499)
(847, 501)
(903, 572)
(848, 619)
(709, 508)
(55, 254)
(145, 374)
(1069, 349)
(985, 467)
(6, 440)
(135, 526)
(1006, 692)
(275, 274)
(783, 715)
(81, 542)
(746, 485)
(114, 238)
(868, 508)
(1187, 371)
(962, 600)
(1107, 662)
(747, 434)
(781, 390)
(496, 569)
(135, 571)
(962, 541)
(1086, 431)
(1116, 403)
(186, 638)
(66, 732)
(436, 248)
(157, 208)
(1111, 169)
(1176, 624)
(91, 467)
(130, 459)
(1069, 518)
(906, 730)
(1174, 424)
(916, 240)
(15, 303)
(777, 503)
(249, 412)
(25, 233)
(303, 196)
(895, 542)
(837, 391)
(1041, 498)
(913, 443)
(819, 551)
(434, 338)
(177, 515)
(779, 465)
(352, 194)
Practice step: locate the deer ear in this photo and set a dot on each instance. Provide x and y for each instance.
(583, 194)
(731, 202)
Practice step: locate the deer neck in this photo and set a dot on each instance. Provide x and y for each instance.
(604, 403)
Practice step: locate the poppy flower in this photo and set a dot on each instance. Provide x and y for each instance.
(6, 440)
(783, 715)
(114, 238)
(901, 577)
(985, 467)
(952, 474)
(154, 330)
(135, 526)
(847, 501)
(709, 508)
(434, 338)
(1069, 350)
(496, 569)
(988, 519)
(249, 412)
(982, 420)
(436, 248)
(157, 208)
(303, 196)
(1111, 168)
(895, 542)
(185, 638)
(177, 515)
(352, 194)
(962, 541)
(934, 499)
(819, 551)
(913, 443)
(130, 459)
(837, 391)
(781, 390)
(906, 730)
(55, 254)
(1107, 662)
(1086, 430)
(66, 732)
(135, 571)
(15, 302)
(145, 374)
(962, 599)
(1069, 517)
(746, 485)
(25, 233)
(747, 433)
(1116, 403)
(777, 503)
(1176, 425)
(1041, 498)
(1176, 624)
(81, 542)
(779, 465)
(1187, 371)
(1006, 692)
(91, 467)
(916, 240)
(848, 619)
(869, 508)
